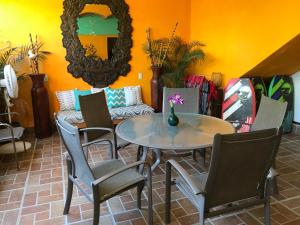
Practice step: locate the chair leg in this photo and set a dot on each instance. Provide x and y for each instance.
(168, 194)
(267, 207)
(96, 212)
(140, 188)
(195, 155)
(70, 188)
(86, 149)
(15, 153)
(24, 145)
(203, 154)
(201, 212)
(149, 187)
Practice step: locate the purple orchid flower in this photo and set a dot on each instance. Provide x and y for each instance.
(175, 99)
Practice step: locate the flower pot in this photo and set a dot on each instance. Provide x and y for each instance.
(173, 120)
(40, 107)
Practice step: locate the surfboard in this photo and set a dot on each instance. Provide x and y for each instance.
(239, 104)
(282, 89)
(259, 89)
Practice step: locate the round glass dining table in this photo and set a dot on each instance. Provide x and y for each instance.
(194, 131)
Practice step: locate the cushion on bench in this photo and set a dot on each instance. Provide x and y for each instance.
(73, 116)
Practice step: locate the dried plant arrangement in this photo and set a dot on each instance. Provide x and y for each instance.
(35, 54)
(157, 50)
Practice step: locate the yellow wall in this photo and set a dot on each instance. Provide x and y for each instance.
(20, 17)
(99, 42)
(239, 33)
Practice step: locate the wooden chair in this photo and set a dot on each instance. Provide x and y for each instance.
(104, 180)
(239, 170)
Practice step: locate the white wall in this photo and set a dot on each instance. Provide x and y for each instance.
(296, 80)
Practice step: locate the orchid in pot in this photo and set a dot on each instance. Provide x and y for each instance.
(175, 99)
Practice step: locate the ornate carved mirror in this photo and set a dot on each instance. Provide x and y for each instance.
(97, 38)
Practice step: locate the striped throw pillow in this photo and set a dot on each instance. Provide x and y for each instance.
(115, 97)
(66, 100)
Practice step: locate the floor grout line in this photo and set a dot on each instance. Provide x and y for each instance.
(26, 183)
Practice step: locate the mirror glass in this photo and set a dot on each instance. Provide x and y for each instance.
(97, 31)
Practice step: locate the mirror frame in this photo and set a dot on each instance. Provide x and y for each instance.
(96, 72)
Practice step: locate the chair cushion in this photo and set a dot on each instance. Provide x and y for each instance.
(66, 100)
(116, 183)
(5, 134)
(77, 93)
(73, 116)
(115, 97)
(130, 111)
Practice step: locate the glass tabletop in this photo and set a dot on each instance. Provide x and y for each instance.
(193, 131)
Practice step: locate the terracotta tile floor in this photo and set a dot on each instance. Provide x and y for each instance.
(35, 194)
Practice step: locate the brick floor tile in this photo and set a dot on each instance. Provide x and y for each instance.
(47, 180)
(27, 219)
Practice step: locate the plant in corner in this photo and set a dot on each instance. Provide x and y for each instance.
(180, 56)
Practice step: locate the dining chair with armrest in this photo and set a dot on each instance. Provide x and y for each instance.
(98, 121)
(270, 115)
(12, 134)
(239, 170)
(105, 179)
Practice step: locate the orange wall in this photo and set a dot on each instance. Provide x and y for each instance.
(240, 34)
(20, 17)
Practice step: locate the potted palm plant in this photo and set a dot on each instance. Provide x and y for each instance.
(180, 56)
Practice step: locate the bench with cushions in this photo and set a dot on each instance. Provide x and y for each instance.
(122, 103)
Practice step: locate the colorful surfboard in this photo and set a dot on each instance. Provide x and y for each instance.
(282, 89)
(239, 105)
(259, 89)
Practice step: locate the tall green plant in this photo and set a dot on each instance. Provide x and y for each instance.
(179, 58)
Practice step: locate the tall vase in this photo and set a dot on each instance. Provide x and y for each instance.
(40, 106)
(156, 89)
(173, 120)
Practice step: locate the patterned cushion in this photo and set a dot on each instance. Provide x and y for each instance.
(130, 111)
(66, 100)
(115, 97)
(73, 116)
(133, 95)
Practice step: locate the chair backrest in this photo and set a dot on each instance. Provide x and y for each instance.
(270, 114)
(190, 96)
(239, 165)
(71, 140)
(95, 113)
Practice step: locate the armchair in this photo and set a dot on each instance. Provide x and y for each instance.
(239, 170)
(104, 180)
